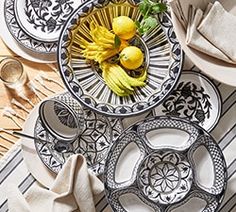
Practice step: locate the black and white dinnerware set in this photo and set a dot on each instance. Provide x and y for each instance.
(156, 164)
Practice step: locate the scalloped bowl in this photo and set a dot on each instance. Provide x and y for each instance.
(163, 60)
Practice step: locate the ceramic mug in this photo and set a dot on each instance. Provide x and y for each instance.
(61, 119)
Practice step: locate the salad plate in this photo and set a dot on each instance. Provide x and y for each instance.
(43, 20)
(163, 60)
(195, 98)
(159, 164)
(31, 23)
(93, 142)
(15, 47)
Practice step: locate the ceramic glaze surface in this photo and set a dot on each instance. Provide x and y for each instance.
(195, 98)
(163, 59)
(93, 142)
(164, 177)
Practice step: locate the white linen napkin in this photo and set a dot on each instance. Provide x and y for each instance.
(212, 32)
(72, 190)
(219, 27)
(181, 8)
(195, 40)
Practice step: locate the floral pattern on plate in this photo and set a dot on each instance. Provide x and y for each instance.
(195, 98)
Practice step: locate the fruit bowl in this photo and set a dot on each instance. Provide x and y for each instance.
(163, 60)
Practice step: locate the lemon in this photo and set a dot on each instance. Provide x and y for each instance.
(131, 57)
(124, 27)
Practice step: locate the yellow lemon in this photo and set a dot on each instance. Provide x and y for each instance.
(131, 57)
(124, 27)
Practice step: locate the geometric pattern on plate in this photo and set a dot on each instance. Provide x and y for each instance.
(164, 178)
(196, 98)
(84, 82)
(94, 142)
(23, 38)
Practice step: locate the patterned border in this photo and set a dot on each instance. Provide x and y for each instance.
(54, 160)
(21, 37)
(213, 196)
(107, 109)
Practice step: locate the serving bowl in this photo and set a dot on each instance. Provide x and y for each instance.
(163, 56)
(165, 164)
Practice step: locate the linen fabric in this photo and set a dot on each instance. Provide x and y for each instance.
(72, 190)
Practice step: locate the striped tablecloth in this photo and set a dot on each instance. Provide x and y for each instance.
(13, 168)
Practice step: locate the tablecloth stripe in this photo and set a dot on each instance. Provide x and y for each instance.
(228, 137)
(224, 133)
(229, 206)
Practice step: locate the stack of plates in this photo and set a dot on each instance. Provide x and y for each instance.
(32, 27)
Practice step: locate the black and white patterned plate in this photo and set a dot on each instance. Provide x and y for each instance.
(196, 98)
(93, 143)
(36, 24)
(84, 80)
(43, 20)
(145, 170)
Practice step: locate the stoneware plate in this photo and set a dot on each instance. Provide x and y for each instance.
(196, 98)
(165, 164)
(162, 51)
(43, 20)
(32, 23)
(93, 142)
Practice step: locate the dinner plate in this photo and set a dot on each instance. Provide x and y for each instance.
(15, 47)
(43, 20)
(163, 54)
(93, 142)
(195, 98)
(165, 164)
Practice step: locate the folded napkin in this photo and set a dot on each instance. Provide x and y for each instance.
(212, 32)
(72, 190)
(181, 8)
(195, 39)
(219, 27)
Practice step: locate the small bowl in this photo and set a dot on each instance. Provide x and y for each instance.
(60, 120)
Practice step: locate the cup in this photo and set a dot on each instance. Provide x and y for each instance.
(62, 120)
(12, 73)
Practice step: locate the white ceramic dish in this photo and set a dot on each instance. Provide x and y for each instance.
(196, 98)
(217, 69)
(43, 20)
(93, 142)
(157, 165)
(14, 46)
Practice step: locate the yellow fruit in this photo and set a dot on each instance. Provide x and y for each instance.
(131, 57)
(124, 27)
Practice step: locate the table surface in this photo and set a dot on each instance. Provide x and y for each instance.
(13, 168)
(6, 95)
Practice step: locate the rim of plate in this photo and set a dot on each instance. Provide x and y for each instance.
(106, 108)
(210, 84)
(28, 42)
(116, 149)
